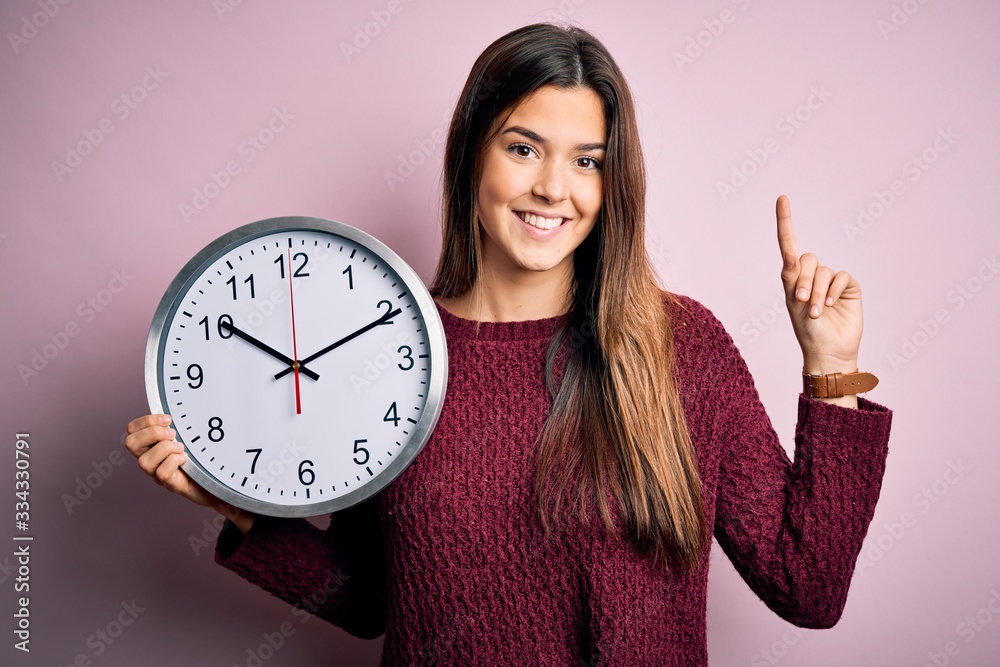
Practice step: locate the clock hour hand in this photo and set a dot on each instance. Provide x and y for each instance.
(371, 325)
(267, 348)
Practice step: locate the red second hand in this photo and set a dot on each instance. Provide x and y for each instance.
(295, 348)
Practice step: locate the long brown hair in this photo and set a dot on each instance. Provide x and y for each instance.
(616, 424)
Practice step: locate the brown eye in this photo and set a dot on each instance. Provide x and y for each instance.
(521, 150)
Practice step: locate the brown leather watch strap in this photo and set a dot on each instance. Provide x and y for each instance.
(835, 385)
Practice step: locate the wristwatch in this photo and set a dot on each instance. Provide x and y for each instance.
(835, 385)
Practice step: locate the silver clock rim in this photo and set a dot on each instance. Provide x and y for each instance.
(437, 384)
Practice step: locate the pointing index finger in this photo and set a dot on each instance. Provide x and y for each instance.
(786, 235)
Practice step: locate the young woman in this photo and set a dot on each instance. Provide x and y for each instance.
(597, 432)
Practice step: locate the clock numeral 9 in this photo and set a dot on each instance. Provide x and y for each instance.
(195, 375)
(304, 471)
(215, 432)
(222, 332)
(358, 450)
(232, 281)
(299, 272)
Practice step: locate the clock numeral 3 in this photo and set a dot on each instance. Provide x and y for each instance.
(215, 432)
(358, 450)
(407, 356)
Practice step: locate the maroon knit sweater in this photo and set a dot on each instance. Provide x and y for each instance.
(450, 564)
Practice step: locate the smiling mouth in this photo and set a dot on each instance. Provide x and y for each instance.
(539, 221)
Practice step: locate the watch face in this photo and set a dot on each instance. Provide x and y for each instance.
(303, 363)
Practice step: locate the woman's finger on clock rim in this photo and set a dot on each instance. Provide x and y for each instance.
(140, 441)
(167, 471)
(148, 420)
(155, 455)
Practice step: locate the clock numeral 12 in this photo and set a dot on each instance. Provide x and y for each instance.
(299, 272)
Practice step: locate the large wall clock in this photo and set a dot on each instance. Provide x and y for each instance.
(303, 363)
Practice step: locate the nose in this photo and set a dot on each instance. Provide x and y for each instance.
(551, 184)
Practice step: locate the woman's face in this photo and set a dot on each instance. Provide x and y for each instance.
(541, 185)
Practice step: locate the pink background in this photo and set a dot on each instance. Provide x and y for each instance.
(930, 560)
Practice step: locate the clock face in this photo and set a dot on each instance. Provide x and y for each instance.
(303, 364)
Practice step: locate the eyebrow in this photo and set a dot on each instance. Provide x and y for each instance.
(534, 136)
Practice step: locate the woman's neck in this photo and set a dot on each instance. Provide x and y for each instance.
(511, 301)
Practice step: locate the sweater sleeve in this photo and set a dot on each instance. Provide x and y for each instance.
(793, 530)
(338, 574)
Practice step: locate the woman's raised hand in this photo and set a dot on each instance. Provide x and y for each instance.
(824, 305)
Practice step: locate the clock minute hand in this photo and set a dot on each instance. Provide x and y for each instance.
(267, 348)
(371, 325)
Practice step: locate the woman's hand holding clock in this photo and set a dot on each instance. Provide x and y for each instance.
(151, 441)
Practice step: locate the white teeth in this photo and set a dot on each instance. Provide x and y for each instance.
(539, 221)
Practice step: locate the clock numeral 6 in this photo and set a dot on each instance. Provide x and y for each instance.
(194, 374)
(222, 332)
(358, 450)
(215, 432)
(306, 470)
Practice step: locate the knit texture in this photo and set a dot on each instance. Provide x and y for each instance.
(450, 563)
